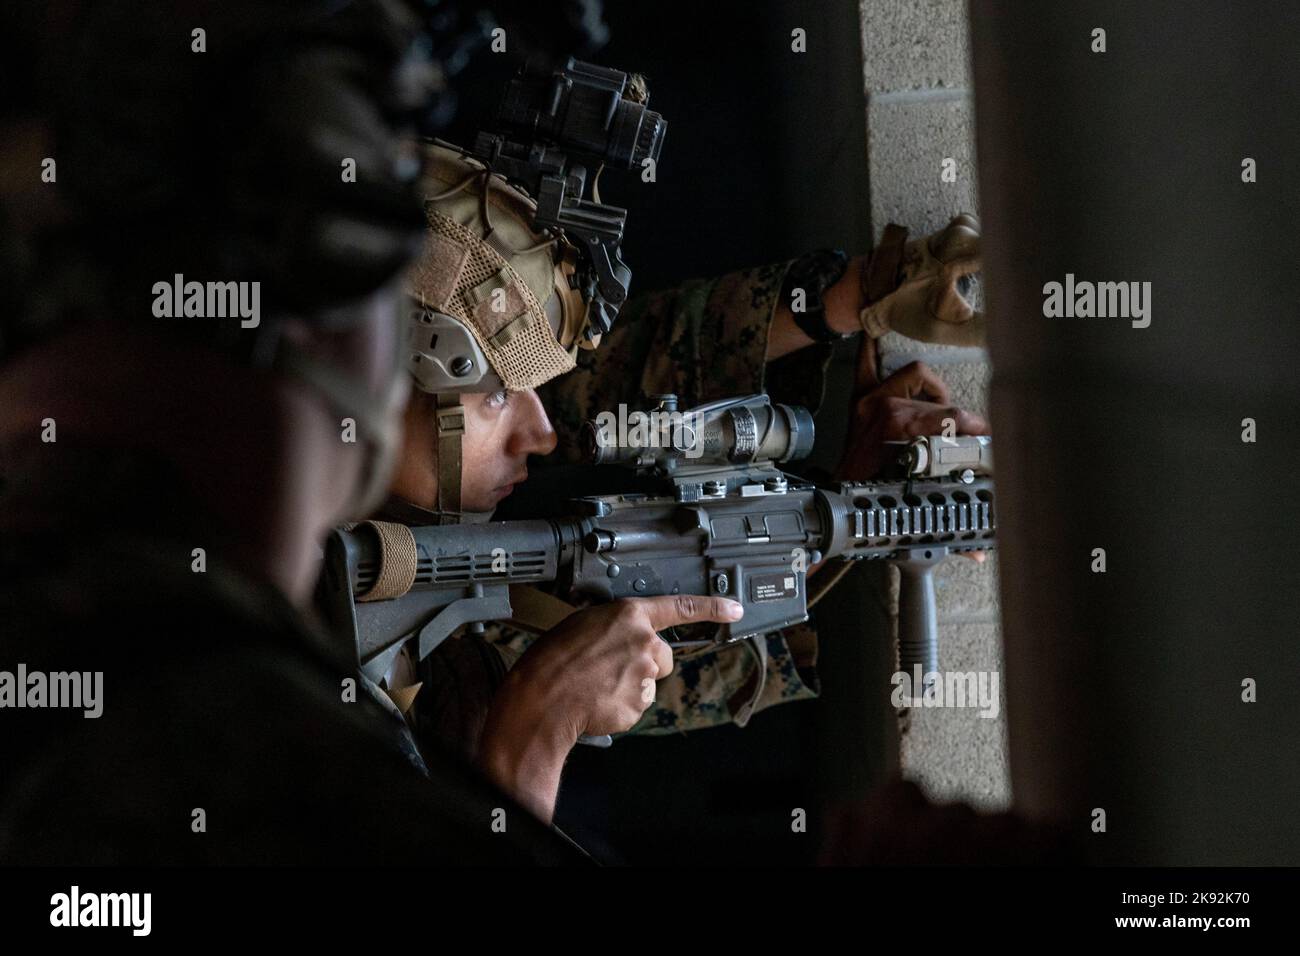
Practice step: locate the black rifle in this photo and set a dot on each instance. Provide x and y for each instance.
(726, 521)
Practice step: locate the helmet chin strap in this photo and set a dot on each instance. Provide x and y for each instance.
(450, 428)
(403, 512)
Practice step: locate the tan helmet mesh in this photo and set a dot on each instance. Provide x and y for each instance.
(464, 275)
(517, 339)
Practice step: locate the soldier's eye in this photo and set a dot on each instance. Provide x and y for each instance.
(498, 399)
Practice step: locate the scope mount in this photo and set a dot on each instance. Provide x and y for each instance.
(729, 446)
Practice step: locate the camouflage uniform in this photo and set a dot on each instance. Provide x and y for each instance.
(703, 340)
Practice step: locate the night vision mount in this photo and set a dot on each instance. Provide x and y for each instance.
(553, 126)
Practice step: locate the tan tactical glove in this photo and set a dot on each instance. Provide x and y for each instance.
(915, 288)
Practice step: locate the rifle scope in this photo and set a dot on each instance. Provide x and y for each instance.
(742, 431)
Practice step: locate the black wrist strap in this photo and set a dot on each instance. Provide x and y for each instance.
(814, 274)
(813, 324)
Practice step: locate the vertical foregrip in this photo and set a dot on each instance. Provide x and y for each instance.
(918, 623)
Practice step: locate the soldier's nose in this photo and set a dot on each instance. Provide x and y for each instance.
(537, 436)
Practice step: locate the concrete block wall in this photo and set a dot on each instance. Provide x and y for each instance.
(916, 75)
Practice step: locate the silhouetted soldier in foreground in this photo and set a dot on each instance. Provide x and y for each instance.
(167, 480)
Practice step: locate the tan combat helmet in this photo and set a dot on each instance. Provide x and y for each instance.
(491, 304)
